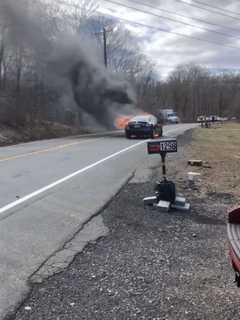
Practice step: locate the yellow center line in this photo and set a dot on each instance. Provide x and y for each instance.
(56, 148)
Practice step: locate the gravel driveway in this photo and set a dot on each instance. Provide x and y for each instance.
(151, 265)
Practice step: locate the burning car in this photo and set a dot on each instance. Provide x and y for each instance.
(146, 126)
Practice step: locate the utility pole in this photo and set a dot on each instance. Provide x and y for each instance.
(105, 53)
(105, 47)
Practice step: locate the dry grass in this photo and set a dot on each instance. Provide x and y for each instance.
(220, 147)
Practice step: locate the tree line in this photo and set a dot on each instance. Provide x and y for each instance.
(26, 97)
(194, 91)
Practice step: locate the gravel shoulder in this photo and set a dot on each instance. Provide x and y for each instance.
(151, 265)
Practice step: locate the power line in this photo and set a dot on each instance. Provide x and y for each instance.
(196, 19)
(186, 17)
(218, 8)
(209, 10)
(158, 16)
(167, 31)
(179, 21)
(158, 28)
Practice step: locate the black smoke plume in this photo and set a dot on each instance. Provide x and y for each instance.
(72, 66)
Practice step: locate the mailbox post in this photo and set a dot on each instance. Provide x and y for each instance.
(162, 147)
(165, 190)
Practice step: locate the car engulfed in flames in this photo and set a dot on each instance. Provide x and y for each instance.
(144, 126)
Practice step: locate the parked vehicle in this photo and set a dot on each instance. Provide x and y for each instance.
(169, 116)
(211, 118)
(173, 118)
(233, 229)
(201, 118)
(146, 126)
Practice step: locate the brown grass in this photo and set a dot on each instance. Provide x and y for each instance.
(220, 147)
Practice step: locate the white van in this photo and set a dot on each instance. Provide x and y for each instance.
(172, 117)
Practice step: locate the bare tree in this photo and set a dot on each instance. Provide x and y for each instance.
(193, 90)
(27, 97)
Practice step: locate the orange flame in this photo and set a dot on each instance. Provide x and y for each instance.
(121, 121)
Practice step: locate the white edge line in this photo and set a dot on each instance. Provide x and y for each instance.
(60, 181)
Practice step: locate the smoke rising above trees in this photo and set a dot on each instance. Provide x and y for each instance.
(69, 63)
(52, 69)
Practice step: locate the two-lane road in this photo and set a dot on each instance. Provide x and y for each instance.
(48, 190)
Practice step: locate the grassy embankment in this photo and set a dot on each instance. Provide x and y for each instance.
(220, 147)
(39, 131)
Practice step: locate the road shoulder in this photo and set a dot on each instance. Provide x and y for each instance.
(151, 265)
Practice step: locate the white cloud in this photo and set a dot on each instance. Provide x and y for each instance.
(167, 49)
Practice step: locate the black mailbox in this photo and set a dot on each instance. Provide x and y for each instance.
(168, 145)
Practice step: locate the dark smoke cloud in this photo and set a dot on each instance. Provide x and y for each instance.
(95, 90)
(23, 26)
(72, 66)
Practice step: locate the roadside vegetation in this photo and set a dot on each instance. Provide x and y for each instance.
(28, 97)
(156, 265)
(219, 147)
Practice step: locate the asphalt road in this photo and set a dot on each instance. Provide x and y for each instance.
(48, 190)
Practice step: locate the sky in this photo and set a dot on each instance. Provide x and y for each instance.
(219, 50)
